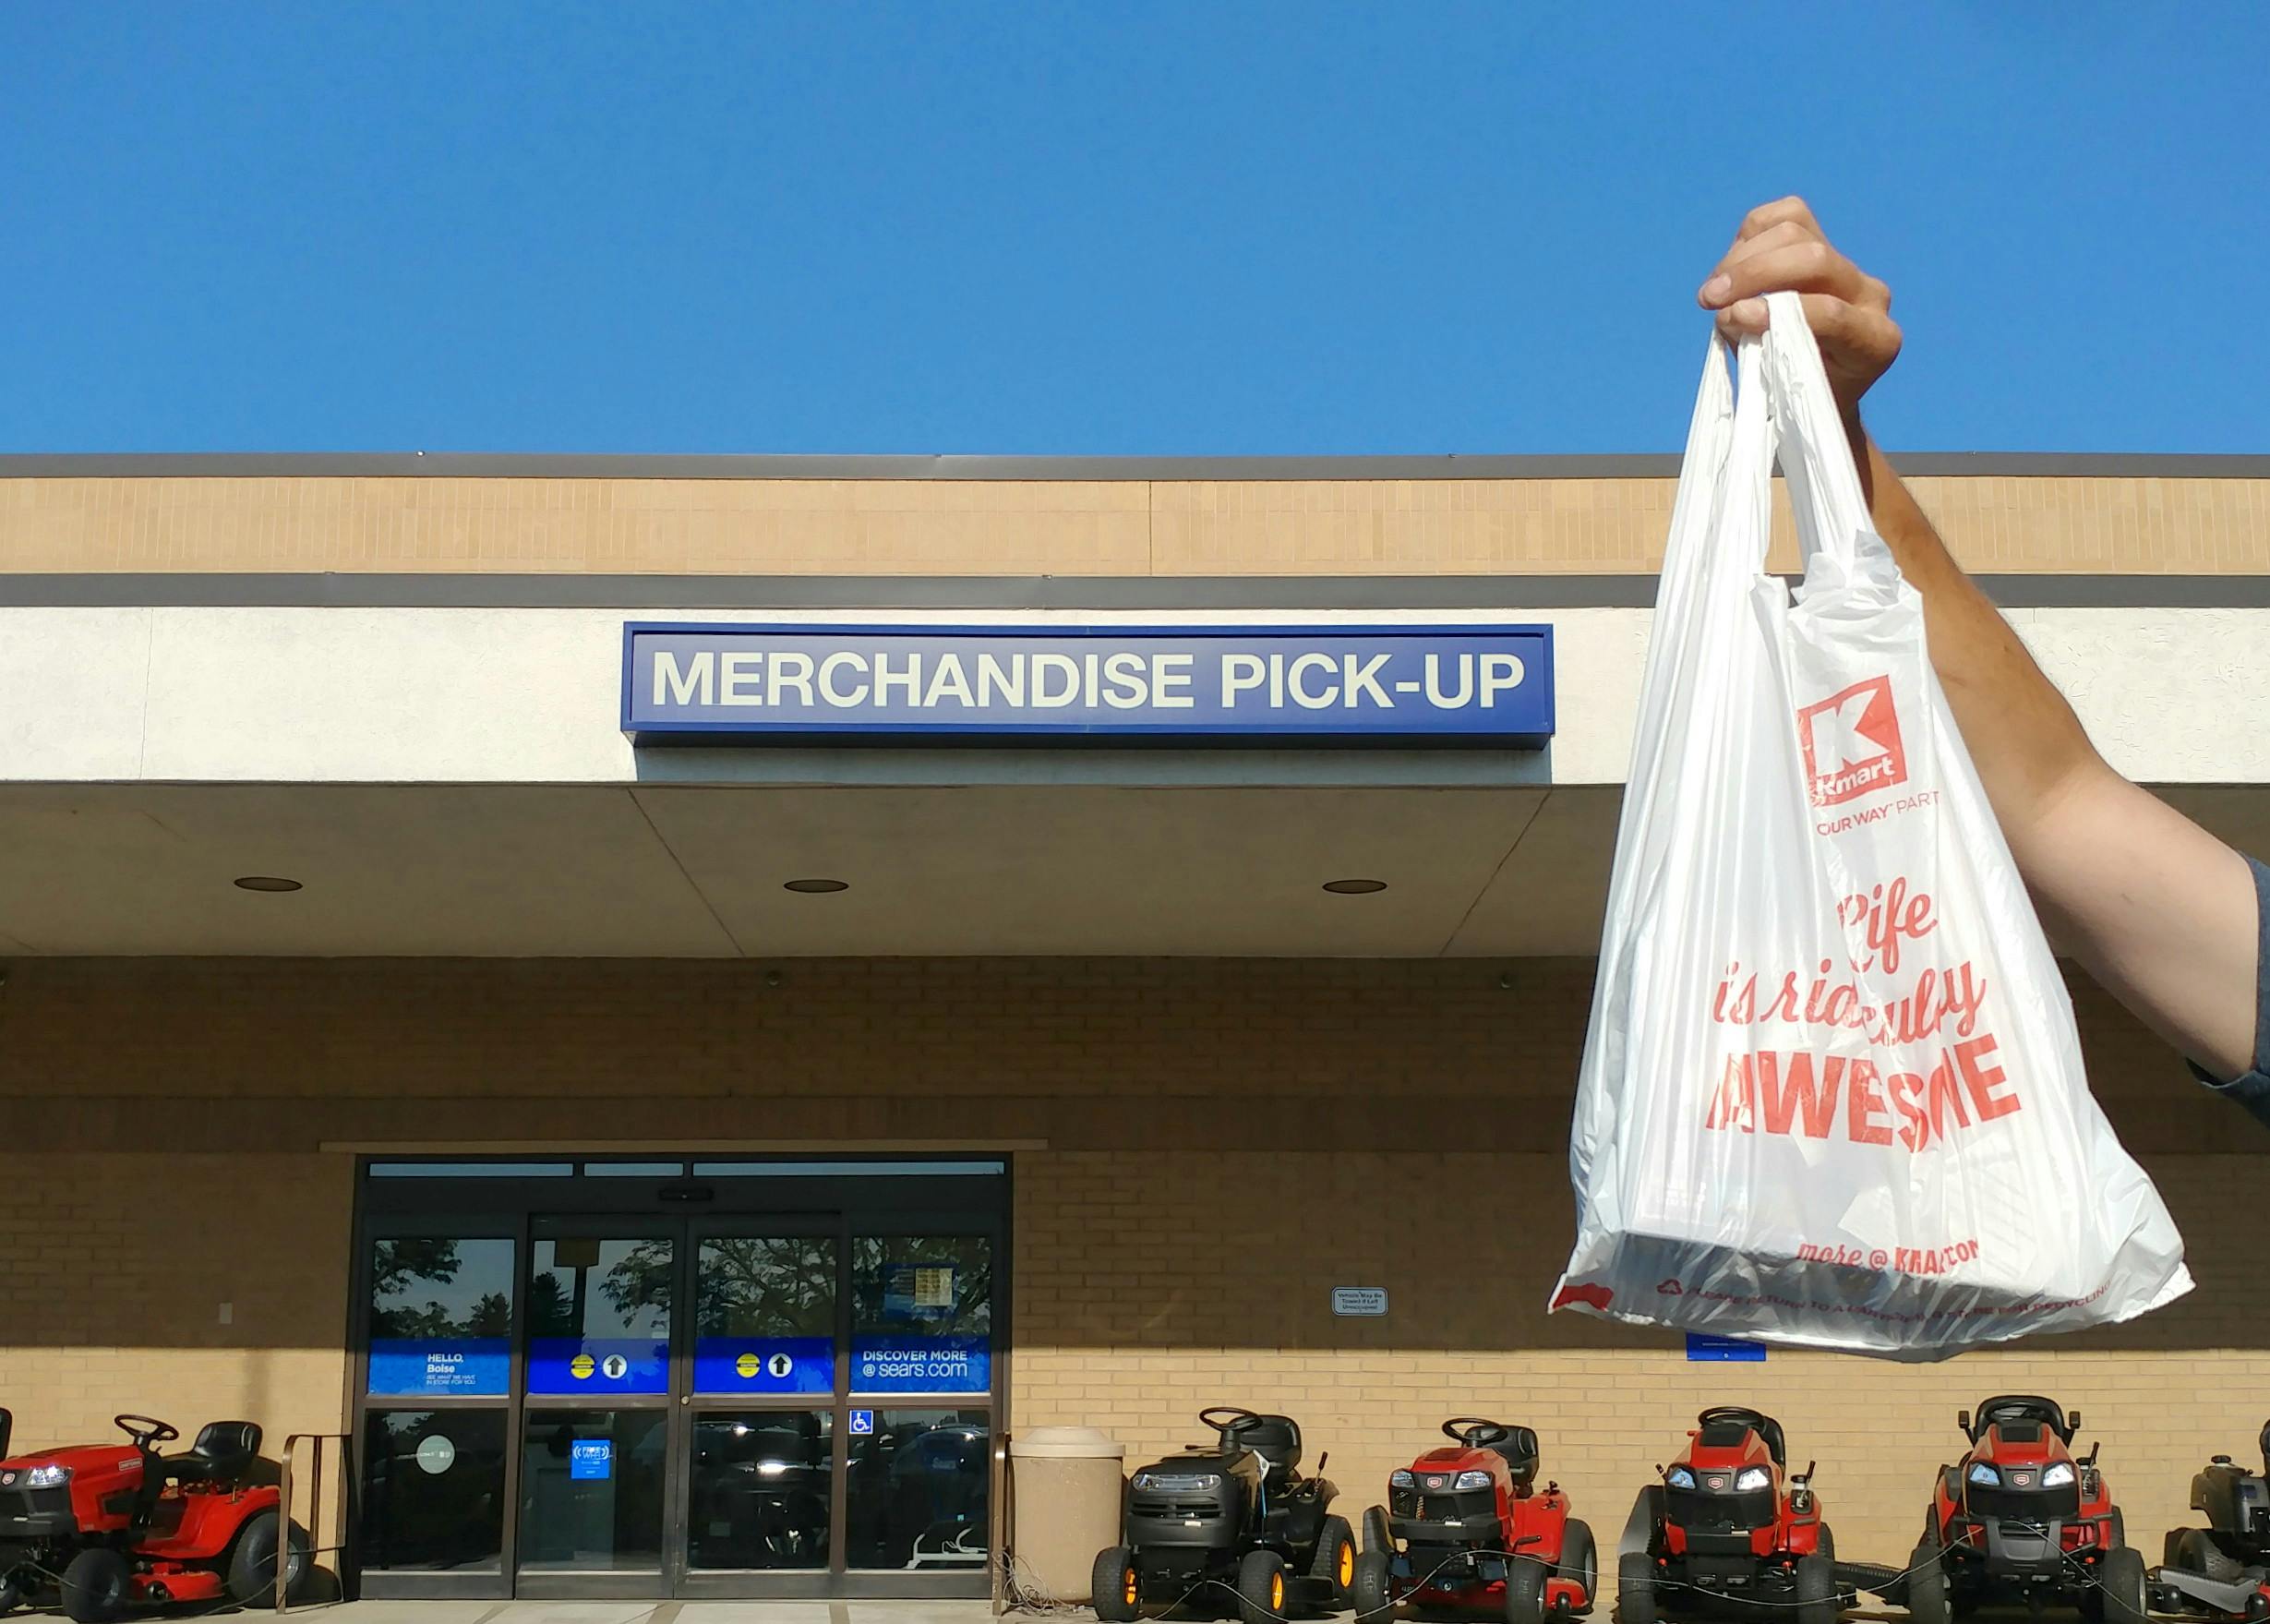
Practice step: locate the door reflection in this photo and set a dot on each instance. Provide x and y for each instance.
(760, 1489)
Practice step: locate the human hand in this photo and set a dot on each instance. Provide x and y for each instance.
(1780, 248)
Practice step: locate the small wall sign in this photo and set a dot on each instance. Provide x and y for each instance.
(1359, 1302)
(1710, 1350)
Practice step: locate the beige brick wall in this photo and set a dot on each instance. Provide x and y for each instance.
(1226, 1141)
(118, 1265)
(1135, 1322)
(1070, 527)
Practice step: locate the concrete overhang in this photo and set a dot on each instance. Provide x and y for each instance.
(666, 871)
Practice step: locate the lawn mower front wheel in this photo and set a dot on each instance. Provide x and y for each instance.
(1113, 1590)
(1817, 1598)
(2120, 1593)
(95, 1586)
(1928, 1601)
(1635, 1588)
(1524, 1591)
(1261, 1587)
(1368, 1592)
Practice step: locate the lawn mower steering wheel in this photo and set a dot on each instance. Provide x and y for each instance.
(1458, 1426)
(1237, 1418)
(146, 1431)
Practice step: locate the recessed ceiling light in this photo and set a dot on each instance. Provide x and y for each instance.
(1355, 887)
(816, 887)
(266, 883)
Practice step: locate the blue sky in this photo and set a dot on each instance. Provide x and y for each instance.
(1109, 228)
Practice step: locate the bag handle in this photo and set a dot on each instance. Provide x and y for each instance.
(1815, 454)
(1702, 472)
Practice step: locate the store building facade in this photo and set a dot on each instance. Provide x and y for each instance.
(677, 1158)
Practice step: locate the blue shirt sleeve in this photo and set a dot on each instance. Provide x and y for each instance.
(2252, 1090)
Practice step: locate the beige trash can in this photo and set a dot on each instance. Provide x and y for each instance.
(1066, 1490)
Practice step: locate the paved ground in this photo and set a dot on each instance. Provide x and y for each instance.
(815, 1612)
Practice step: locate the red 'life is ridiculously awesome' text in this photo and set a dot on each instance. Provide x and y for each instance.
(1897, 1093)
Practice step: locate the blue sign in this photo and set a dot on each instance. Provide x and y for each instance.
(1317, 684)
(862, 1422)
(1710, 1350)
(613, 1366)
(417, 1366)
(922, 1362)
(590, 1459)
(764, 1365)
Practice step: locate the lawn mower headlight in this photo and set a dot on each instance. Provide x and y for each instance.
(1756, 1477)
(1680, 1478)
(1402, 1479)
(1177, 1482)
(1982, 1473)
(47, 1477)
(2058, 1477)
(1472, 1480)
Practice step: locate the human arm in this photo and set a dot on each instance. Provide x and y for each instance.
(2157, 910)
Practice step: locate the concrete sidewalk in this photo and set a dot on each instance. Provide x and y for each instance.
(701, 1612)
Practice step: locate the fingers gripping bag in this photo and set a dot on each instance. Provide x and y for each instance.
(1832, 1092)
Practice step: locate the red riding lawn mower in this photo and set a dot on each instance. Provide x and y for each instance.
(1467, 1528)
(1729, 1525)
(108, 1526)
(2017, 1518)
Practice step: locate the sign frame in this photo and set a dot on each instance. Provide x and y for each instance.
(1539, 679)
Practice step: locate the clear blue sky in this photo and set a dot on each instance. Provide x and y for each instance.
(1206, 227)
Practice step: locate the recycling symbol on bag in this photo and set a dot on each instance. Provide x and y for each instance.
(1670, 1288)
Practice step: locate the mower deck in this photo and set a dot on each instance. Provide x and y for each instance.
(2176, 1590)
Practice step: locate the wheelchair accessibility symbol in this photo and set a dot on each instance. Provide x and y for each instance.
(862, 1422)
(778, 1366)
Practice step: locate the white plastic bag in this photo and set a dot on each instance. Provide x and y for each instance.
(1832, 1091)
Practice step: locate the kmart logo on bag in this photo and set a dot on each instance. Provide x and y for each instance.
(1852, 743)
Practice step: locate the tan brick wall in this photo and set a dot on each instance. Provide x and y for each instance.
(1226, 1141)
(1125, 527)
(1134, 1322)
(115, 1266)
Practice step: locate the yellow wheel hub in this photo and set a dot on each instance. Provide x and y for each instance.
(1127, 1583)
(1276, 1590)
(1347, 1565)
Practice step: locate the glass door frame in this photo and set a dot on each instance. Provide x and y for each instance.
(470, 1225)
(687, 1582)
(708, 1200)
(602, 1583)
(933, 1223)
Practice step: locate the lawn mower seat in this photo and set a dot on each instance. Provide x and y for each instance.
(1520, 1447)
(223, 1453)
(2014, 1412)
(1276, 1439)
(1723, 1424)
(1516, 1445)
